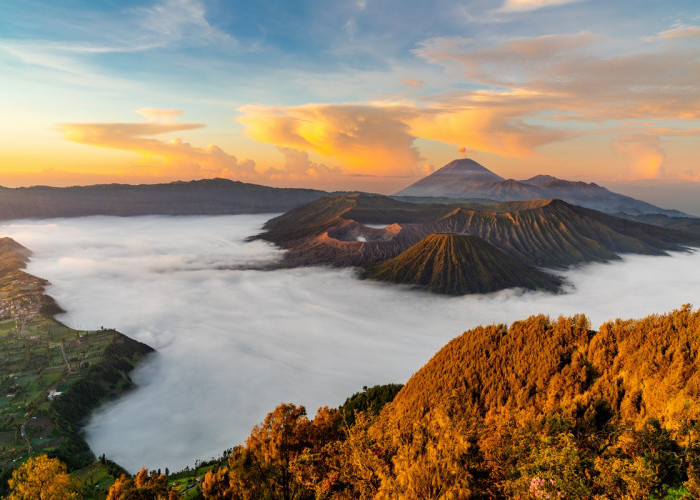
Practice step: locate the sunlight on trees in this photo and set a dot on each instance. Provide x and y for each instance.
(539, 409)
(42, 478)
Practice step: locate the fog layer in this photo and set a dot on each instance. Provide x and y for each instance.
(233, 344)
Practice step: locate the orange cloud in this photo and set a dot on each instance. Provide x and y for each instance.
(298, 166)
(174, 158)
(644, 153)
(568, 73)
(678, 31)
(378, 139)
(484, 126)
(125, 136)
(362, 138)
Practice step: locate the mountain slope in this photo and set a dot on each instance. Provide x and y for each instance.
(467, 179)
(202, 197)
(13, 256)
(455, 177)
(545, 233)
(540, 365)
(685, 224)
(553, 233)
(458, 264)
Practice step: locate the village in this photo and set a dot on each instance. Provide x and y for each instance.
(40, 358)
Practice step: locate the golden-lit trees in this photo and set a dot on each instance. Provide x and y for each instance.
(539, 409)
(352, 465)
(42, 478)
(557, 466)
(216, 485)
(143, 486)
(263, 468)
(362, 461)
(282, 436)
(642, 463)
(432, 461)
(316, 467)
(286, 456)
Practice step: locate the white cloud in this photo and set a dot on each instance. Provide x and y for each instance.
(679, 31)
(163, 24)
(234, 344)
(174, 20)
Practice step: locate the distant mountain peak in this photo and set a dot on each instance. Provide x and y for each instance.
(463, 165)
(454, 177)
(465, 178)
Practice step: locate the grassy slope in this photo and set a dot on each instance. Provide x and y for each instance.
(32, 346)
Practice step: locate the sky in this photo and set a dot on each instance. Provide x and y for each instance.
(353, 94)
(233, 344)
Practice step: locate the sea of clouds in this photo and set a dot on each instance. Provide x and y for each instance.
(233, 344)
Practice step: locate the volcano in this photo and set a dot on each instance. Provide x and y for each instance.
(459, 264)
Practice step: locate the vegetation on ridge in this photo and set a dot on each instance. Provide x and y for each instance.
(541, 409)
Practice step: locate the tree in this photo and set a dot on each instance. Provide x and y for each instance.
(282, 436)
(142, 487)
(433, 461)
(42, 478)
(216, 485)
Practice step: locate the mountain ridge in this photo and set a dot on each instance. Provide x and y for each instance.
(544, 233)
(455, 180)
(216, 196)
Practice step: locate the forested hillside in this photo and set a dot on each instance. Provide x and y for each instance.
(543, 408)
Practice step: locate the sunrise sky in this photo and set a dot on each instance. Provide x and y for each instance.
(354, 94)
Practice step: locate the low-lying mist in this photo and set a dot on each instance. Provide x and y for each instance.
(233, 344)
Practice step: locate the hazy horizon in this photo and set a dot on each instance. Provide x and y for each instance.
(666, 195)
(234, 344)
